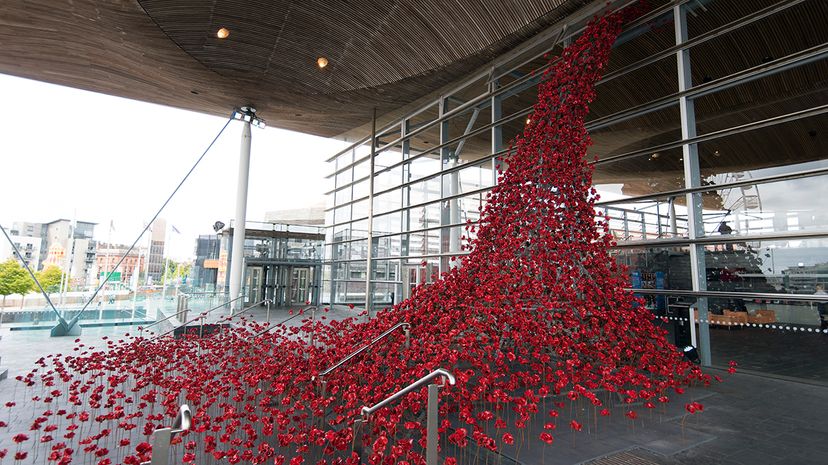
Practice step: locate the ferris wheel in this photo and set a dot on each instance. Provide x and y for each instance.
(741, 203)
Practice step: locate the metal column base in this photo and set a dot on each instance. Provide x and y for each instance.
(59, 330)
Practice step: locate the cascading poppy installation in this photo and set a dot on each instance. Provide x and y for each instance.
(534, 317)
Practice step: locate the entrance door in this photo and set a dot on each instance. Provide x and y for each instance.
(254, 285)
(300, 286)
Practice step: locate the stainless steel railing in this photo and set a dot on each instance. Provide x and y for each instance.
(203, 315)
(406, 328)
(276, 325)
(222, 305)
(432, 420)
(162, 437)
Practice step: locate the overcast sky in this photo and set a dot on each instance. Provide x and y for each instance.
(67, 152)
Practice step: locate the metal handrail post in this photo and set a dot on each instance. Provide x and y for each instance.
(313, 326)
(432, 418)
(161, 438)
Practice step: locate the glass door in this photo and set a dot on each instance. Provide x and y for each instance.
(299, 286)
(254, 285)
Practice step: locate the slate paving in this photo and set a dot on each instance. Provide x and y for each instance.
(747, 419)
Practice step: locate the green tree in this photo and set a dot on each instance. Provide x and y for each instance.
(177, 270)
(14, 279)
(50, 278)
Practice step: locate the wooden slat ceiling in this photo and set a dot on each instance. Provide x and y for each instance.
(390, 54)
(382, 54)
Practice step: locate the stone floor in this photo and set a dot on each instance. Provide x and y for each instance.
(748, 419)
(782, 353)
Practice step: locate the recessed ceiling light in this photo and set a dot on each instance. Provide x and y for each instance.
(321, 62)
(223, 33)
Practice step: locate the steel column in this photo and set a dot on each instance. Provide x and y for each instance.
(369, 295)
(692, 178)
(237, 263)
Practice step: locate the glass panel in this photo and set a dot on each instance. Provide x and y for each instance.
(638, 133)
(342, 214)
(626, 91)
(794, 205)
(388, 179)
(665, 267)
(361, 189)
(387, 157)
(342, 196)
(424, 166)
(360, 209)
(645, 174)
(385, 224)
(361, 169)
(794, 266)
(425, 191)
(785, 92)
(769, 344)
(387, 201)
(344, 178)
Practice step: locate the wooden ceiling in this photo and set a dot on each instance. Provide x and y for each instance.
(390, 54)
(382, 54)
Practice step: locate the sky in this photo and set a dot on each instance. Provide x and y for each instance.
(68, 153)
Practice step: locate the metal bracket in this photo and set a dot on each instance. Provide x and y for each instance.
(247, 114)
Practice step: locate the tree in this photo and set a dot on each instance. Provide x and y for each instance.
(177, 270)
(50, 278)
(14, 279)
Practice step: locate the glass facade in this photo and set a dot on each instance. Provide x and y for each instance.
(709, 138)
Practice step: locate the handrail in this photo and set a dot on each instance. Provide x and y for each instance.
(382, 336)
(367, 411)
(205, 312)
(269, 328)
(162, 437)
(252, 306)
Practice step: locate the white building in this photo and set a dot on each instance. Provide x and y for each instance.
(29, 248)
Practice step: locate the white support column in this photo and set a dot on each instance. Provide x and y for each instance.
(237, 261)
(692, 179)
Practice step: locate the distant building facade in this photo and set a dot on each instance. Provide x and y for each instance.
(29, 248)
(70, 246)
(309, 216)
(206, 265)
(108, 256)
(66, 244)
(155, 262)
